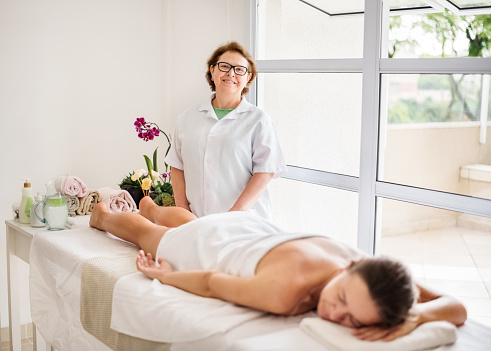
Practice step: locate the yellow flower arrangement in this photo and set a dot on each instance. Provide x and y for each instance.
(145, 183)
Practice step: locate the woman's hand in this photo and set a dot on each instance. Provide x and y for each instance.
(147, 266)
(252, 192)
(431, 306)
(376, 333)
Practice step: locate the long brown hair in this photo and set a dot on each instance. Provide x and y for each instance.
(391, 287)
(235, 47)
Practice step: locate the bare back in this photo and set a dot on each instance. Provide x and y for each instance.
(304, 267)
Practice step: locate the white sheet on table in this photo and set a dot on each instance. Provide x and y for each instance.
(250, 336)
(150, 310)
(264, 328)
(56, 260)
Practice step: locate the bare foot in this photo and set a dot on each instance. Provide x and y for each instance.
(145, 205)
(95, 218)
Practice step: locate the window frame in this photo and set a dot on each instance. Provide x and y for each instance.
(373, 66)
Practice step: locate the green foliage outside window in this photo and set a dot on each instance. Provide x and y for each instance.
(464, 91)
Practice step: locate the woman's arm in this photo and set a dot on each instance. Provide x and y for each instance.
(179, 188)
(430, 307)
(256, 291)
(252, 191)
(436, 307)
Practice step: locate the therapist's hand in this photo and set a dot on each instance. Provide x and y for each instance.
(252, 191)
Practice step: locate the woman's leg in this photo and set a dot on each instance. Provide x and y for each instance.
(170, 217)
(128, 226)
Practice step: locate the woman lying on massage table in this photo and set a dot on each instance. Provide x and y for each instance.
(244, 259)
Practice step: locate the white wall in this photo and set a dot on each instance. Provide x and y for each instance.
(74, 75)
(192, 31)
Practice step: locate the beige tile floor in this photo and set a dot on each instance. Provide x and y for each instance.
(26, 345)
(26, 333)
(452, 260)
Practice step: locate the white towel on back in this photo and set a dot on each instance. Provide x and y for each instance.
(335, 337)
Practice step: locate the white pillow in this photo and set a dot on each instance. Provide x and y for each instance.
(336, 337)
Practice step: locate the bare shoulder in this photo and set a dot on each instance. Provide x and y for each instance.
(426, 294)
(311, 252)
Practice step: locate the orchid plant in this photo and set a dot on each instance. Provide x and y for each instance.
(159, 183)
(148, 131)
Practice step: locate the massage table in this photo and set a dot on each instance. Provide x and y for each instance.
(86, 294)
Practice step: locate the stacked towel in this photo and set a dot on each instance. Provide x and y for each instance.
(73, 203)
(338, 338)
(117, 200)
(71, 185)
(88, 202)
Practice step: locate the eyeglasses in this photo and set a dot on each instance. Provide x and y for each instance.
(225, 67)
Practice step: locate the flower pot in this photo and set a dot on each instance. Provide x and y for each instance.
(137, 195)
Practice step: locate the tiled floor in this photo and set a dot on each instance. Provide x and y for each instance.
(453, 260)
(26, 345)
(26, 334)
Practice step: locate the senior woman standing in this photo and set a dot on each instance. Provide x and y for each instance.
(225, 151)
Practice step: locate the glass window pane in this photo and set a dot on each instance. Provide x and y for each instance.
(436, 133)
(318, 117)
(439, 34)
(294, 30)
(447, 251)
(309, 208)
(462, 4)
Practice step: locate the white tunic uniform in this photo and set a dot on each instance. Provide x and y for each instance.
(219, 157)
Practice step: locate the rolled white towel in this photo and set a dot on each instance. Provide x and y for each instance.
(73, 203)
(117, 200)
(71, 185)
(88, 202)
(336, 337)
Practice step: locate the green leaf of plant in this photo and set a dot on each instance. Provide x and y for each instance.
(127, 183)
(149, 164)
(155, 160)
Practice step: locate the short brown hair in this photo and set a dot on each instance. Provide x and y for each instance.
(391, 288)
(235, 47)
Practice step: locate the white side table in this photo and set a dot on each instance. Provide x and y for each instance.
(19, 237)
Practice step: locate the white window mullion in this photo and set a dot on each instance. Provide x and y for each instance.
(310, 66)
(434, 198)
(447, 65)
(252, 46)
(483, 118)
(369, 125)
(313, 176)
